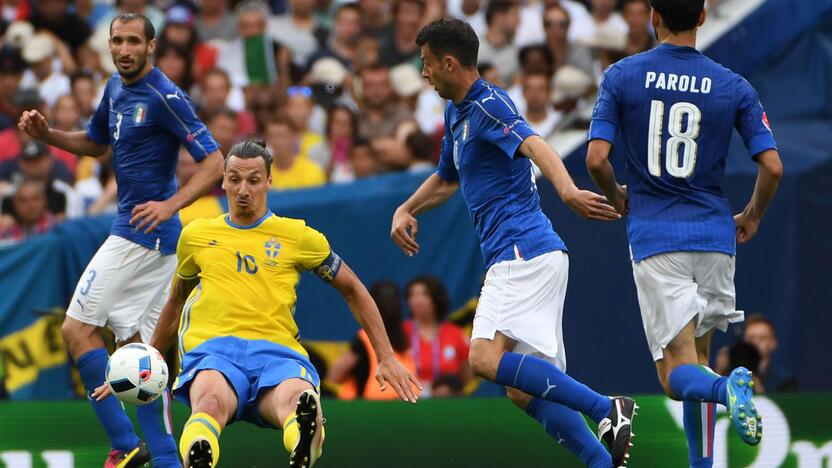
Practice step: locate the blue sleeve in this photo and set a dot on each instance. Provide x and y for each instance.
(447, 167)
(752, 122)
(605, 121)
(500, 124)
(99, 127)
(178, 116)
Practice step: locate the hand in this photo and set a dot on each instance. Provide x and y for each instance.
(746, 227)
(393, 372)
(590, 205)
(152, 214)
(404, 232)
(33, 123)
(102, 392)
(620, 201)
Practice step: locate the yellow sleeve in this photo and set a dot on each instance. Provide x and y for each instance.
(186, 267)
(313, 250)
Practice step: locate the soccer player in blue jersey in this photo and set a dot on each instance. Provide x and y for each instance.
(144, 118)
(517, 336)
(676, 110)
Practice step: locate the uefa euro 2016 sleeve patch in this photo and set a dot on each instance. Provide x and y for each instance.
(328, 270)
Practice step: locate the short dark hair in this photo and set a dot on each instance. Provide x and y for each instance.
(397, 4)
(543, 49)
(347, 6)
(436, 290)
(387, 297)
(419, 145)
(221, 112)
(679, 15)
(250, 149)
(496, 7)
(450, 36)
(627, 2)
(280, 119)
(81, 75)
(149, 30)
(754, 319)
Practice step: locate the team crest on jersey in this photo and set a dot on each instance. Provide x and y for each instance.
(140, 113)
(272, 248)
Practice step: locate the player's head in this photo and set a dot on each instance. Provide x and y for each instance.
(132, 42)
(676, 16)
(449, 46)
(247, 178)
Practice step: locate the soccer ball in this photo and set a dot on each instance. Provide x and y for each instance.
(137, 373)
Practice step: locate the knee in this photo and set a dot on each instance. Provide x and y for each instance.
(484, 358)
(212, 404)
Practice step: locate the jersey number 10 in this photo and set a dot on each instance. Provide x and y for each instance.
(678, 163)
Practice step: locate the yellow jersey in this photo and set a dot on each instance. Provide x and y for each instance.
(247, 278)
(302, 173)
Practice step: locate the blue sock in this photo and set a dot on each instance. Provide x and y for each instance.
(692, 382)
(700, 420)
(569, 428)
(542, 379)
(92, 366)
(155, 422)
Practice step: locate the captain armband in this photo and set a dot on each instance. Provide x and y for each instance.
(328, 270)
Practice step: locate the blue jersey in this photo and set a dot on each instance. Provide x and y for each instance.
(676, 110)
(481, 151)
(145, 123)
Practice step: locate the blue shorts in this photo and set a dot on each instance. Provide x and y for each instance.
(250, 366)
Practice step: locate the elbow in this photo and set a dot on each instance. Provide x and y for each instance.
(595, 162)
(775, 169)
(771, 165)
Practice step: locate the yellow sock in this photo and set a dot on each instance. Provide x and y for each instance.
(201, 426)
(291, 433)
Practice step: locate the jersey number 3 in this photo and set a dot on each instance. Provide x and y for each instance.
(680, 156)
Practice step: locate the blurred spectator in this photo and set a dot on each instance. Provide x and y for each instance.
(355, 369)
(216, 93)
(557, 24)
(11, 72)
(299, 109)
(296, 30)
(95, 184)
(261, 101)
(85, 94)
(531, 30)
(497, 46)
(760, 332)
(407, 84)
(535, 58)
(222, 123)
(334, 154)
(342, 43)
(375, 18)
(746, 355)
(36, 162)
(66, 116)
(571, 87)
(539, 113)
(367, 53)
(30, 213)
(420, 152)
(438, 347)
(471, 12)
(206, 206)
(380, 115)
(446, 386)
(56, 16)
(17, 33)
(363, 161)
(604, 16)
(399, 46)
(174, 62)
(288, 170)
(490, 74)
(215, 21)
(39, 53)
(180, 31)
(142, 7)
(637, 15)
(330, 83)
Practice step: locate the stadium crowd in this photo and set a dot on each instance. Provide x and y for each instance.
(333, 87)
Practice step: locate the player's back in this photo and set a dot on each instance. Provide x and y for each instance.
(677, 110)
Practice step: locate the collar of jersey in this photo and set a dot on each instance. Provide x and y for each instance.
(475, 90)
(676, 48)
(250, 226)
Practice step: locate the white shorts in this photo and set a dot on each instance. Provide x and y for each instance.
(124, 287)
(523, 299)
(676, 287)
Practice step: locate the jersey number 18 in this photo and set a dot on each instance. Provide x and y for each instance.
(678, 163)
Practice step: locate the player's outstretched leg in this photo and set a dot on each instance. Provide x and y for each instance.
(213, 403)
(566, 426)
(542, 379)
(154, 418)
(302, 435)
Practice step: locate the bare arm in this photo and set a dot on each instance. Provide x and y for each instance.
(164, 336)
(150, 214)
(79, 142)
(588, 204)
(768, 177)
(598, 163)
(366, 312)
(433, 192)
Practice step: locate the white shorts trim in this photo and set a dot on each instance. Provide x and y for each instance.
(523, 299)
(123, 287)
(676, 287)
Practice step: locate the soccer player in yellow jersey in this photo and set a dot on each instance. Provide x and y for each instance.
(233, 300)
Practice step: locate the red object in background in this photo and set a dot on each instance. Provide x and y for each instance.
(452, 352)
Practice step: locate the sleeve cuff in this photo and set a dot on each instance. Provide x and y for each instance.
(447, 176)
(602, 130)
(760, 142)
